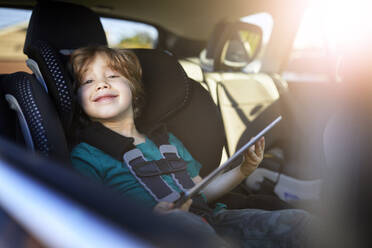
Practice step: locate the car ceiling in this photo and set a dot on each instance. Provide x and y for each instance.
(193, 19)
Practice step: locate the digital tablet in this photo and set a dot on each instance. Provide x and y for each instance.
(208, 179)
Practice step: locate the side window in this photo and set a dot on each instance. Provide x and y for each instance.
(13, 27)
(265, 22)
(129, 34)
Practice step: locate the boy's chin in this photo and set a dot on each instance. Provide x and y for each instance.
(109, 117)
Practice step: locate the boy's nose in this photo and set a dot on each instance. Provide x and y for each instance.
(102, 85)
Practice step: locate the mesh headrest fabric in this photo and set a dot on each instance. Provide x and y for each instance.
(58, 80)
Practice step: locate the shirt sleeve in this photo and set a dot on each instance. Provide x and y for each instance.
(193, 166)
(85, 162)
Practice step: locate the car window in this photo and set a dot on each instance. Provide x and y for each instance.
(129, 34)
(13, 28)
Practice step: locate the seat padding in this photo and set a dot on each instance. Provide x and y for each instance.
(40, 117)
(166, 86)
(183, 104)
(199, 126)
(59, 83)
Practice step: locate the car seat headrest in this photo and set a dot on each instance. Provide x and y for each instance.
(167, 86)
(64, 26)
(55, 29)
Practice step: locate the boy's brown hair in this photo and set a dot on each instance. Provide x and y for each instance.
(123, 61)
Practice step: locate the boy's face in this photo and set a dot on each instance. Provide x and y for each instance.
(104, 94)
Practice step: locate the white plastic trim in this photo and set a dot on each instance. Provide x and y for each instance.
(287, 188)
(35, 69)
(13, 104)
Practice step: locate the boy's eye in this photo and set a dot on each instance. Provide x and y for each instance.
(113, 76)
(87, 81)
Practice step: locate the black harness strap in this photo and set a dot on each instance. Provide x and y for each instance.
(148, 174)
(181, 177)
(160, 138)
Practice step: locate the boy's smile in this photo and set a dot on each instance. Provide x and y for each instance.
(104, 94)
(104, 97)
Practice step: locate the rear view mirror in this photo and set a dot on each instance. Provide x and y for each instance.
(233, 45)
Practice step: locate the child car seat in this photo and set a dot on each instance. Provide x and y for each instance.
(172, 97)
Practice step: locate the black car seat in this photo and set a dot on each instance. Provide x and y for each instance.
(8, 118)
(55, 29)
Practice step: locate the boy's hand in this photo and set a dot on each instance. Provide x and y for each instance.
(252, 157)
(164, 207)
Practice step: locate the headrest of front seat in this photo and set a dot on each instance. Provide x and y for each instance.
(64, 26)
(55, 29)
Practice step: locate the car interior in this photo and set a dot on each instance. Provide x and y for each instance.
(214, 86)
